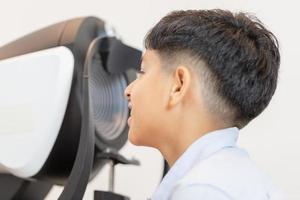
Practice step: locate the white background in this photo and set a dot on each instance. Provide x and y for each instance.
(273, 139)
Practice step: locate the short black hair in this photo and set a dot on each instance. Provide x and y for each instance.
(240, 54)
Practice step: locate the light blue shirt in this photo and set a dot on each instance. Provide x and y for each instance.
(214, 168)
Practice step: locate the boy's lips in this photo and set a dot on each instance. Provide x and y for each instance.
(129, 106)
(128, 121)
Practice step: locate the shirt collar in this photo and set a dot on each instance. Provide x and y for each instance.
(198, 150)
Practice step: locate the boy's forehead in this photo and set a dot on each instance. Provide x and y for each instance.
(149, 56)
(144, 56)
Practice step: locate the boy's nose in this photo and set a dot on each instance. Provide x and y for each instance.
(127, 92)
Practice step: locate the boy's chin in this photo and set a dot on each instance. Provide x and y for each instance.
(133, 139)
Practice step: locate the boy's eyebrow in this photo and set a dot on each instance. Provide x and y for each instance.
(142, 62)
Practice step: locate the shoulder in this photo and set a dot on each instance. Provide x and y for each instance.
(201, 191)
(230, 172)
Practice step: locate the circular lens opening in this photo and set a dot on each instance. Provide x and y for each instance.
(109, 105)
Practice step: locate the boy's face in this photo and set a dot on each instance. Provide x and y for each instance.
(147, 99)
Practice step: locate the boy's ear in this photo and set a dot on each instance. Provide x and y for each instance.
(181, 83)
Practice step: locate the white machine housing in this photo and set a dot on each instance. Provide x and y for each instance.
(34, 92)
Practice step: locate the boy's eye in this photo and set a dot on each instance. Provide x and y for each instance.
(139, 73)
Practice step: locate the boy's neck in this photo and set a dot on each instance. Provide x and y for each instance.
(171, 151)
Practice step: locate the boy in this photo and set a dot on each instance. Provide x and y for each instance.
(205, 74)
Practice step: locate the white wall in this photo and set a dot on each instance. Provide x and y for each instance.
(272, 140)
